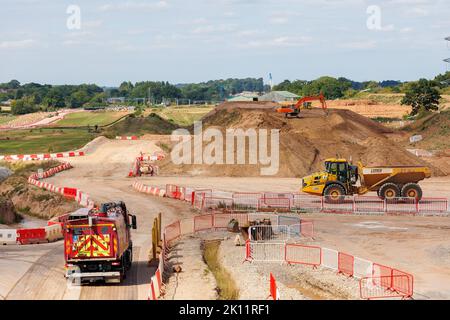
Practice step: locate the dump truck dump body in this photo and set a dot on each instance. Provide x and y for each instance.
(374, 177)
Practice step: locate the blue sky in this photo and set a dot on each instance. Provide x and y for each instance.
(199, 40)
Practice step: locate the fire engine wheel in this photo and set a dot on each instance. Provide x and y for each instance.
(129, 259)
(334, 192)
(412, 190)
(389, 191)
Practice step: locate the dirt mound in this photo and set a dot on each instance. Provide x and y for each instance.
(7, 212)
(30, 200)
(153, 124)
(304, 143)
(433, 128)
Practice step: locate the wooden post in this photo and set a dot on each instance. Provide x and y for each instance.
(159, 229)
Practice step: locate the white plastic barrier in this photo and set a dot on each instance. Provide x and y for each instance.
(54, 233)
(362, 268)
(8, 236)
(330, 258)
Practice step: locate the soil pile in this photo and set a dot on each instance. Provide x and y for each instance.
(131, 126)
(7, 212)
(304, 143)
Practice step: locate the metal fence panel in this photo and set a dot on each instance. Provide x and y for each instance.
(402, 205)
(301, 254)
(344, 204)
(433, 205)
(266, 252)
(245, 201)
(367, 204)
(302, 202)
(268, 233)
(203, 222)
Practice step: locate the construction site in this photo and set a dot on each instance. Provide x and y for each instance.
(148, 153)
(225, 232)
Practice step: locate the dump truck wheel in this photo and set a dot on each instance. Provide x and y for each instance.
(412, 190)
(389, 191)
(334, 192)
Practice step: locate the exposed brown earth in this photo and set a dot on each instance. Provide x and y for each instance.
(304, 143)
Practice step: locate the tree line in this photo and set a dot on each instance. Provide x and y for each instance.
(32, 97)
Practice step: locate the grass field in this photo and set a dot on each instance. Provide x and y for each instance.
(182, 116)
(43, 140)
(4, 119)
(83, 119)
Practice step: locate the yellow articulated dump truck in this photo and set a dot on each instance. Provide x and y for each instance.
(341, 178)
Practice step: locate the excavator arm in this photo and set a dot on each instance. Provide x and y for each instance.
(295, 110)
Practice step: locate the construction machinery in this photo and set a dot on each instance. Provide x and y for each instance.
(98, 244)
(145, 165)
(293, 111)
(341, 178)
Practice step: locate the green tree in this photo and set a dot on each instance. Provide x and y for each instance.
(422, 95)
(23, 106)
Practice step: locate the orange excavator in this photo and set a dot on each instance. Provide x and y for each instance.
(293, 111)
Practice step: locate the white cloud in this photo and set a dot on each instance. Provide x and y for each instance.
(92, 24)
(278, 20)
(359, 45)
(133, 5)
(208, 29)
(281, 41)
(17, 44)
(406, 30)
(418, 11)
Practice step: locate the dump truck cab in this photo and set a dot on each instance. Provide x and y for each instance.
(339, 178)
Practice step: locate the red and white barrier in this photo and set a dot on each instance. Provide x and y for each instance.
(206, 200)
(82, 198)
(31, 236)
(127, 138)
(375, 278)
(155, 191)
(43, 156)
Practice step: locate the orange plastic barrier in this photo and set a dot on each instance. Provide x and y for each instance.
(273, 288)
(31, 236)
(346, 264)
